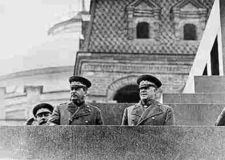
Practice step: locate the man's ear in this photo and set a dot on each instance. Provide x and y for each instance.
(85, 90)
(158, 93)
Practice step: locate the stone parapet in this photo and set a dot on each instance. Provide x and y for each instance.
(197, 98)
(112, 142)
(209, 84)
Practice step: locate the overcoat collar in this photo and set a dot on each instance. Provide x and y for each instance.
(71, 107)
(78, 111)
(137, 110)
(153, 110)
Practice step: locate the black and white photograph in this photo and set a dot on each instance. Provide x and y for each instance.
(112, 79)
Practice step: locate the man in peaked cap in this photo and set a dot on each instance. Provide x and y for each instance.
(148, 111)
(76, 112)
(41, 114)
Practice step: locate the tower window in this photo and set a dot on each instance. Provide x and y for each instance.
(190, 32)
(142, 30)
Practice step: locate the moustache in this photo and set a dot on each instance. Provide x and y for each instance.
(43, 122)
(74, 95)
(143, 92)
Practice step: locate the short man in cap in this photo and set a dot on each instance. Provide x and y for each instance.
(148, 111)
(41, 114)
(76, 112)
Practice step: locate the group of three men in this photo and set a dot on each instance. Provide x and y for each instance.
(77, 112)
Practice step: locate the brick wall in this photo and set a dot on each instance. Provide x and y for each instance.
(111, 71)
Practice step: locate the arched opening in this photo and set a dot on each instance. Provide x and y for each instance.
(127, 94)
(190, 32)
(142, 30)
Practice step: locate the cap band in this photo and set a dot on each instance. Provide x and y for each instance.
(43, 110)
(145, 83)
(76, 83)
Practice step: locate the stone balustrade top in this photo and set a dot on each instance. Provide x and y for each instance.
(112, 142)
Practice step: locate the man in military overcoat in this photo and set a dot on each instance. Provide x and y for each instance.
(148, 111)
(77, 111)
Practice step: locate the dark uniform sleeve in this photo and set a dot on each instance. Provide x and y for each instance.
(55, 117)
(99, 119)
(170, 118)
(124, 118)
(221, 119)
(30, 121)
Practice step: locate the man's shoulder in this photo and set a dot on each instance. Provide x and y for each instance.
(132, 106)
(165, 107)
(62, 105)
(31, 121)
(93, 107)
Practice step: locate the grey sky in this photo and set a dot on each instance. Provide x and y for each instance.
(24, 25)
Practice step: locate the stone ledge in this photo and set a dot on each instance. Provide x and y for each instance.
(196, 98)
(112, 142)
(209, 84)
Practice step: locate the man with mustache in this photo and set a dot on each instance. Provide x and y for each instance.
(76, 112)
(41, 114)
(148, 111)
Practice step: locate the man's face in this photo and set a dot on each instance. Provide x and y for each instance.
(42, 116)
(78, 93)
(147, 92)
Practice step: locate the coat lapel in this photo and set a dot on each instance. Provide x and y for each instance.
(82, 111)
(76, 112)
(153, 110)
(136, 113)
(72, 107)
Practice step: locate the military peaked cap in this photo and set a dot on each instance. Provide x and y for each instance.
(42, 105)
(147, 80)
(80, 81)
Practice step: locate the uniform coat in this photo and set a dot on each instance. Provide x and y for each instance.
(221, 119)
(70, 114)
(155, 114)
